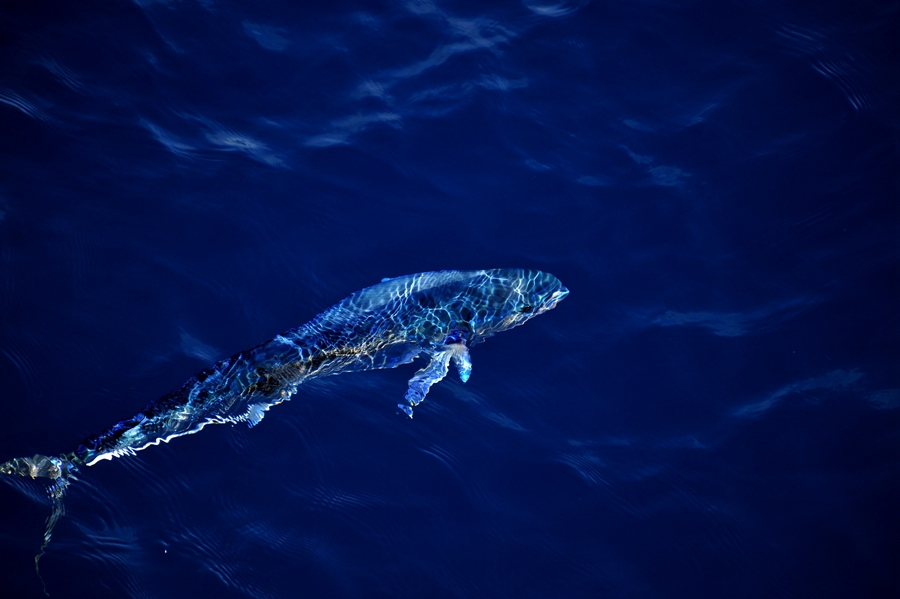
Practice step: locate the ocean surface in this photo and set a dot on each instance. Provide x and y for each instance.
(714, 411)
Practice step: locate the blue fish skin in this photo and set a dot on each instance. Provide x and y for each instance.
(439, 314)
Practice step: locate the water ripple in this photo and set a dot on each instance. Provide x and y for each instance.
(843, 67)
(848, 75)
(26, 107)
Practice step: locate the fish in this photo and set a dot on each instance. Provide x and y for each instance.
(440, 315)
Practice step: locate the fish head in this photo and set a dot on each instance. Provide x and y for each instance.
(506, 298)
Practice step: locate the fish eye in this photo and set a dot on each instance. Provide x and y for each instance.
(526, 309)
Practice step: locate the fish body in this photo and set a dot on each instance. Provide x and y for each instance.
(438, 314)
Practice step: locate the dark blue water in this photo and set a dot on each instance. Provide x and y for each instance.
(714, 411)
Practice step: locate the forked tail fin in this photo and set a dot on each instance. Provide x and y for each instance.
(41, 466)
(59, 470)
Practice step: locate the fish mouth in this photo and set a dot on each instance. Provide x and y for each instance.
(556, 297)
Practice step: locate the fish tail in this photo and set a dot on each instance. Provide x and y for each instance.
(41, 466)
(60, 470)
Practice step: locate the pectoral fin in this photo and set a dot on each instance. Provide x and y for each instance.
(437, 368)
(461, 359)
